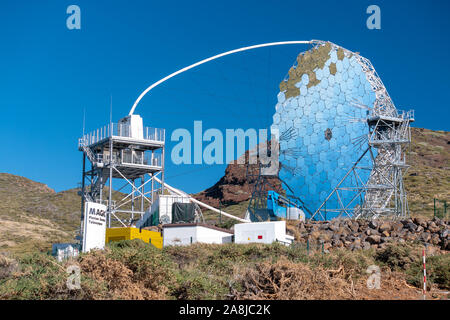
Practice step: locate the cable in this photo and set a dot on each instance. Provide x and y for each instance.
(210, 59)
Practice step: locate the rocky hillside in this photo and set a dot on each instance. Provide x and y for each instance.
(33, 216)
(428, 177)
(236, 186)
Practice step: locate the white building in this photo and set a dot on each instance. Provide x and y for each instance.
(63, 251)
(262, 232)
(187, 233)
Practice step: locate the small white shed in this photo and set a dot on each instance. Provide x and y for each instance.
(262, 232)
(63, 251)
(188, 233)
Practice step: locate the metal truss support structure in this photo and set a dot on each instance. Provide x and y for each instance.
(137, 162)
(383, 195)
(265, 172)
(257, 207)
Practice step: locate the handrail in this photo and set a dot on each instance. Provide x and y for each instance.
(119, 130)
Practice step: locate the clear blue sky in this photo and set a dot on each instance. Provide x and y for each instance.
(49, 74)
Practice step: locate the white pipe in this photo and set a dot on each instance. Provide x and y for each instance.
(207, 206)
(209, 59)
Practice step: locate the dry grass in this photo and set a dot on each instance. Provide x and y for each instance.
(429, 175)
(117, 277)
(286, 280)
(134, 270)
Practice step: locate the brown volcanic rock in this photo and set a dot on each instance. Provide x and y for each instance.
(338, 233)
(236, 185)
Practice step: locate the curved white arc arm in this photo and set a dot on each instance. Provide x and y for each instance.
(270, 44)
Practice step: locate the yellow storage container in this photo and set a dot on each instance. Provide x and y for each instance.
(118, 234)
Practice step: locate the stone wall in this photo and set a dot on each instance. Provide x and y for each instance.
(363, 234)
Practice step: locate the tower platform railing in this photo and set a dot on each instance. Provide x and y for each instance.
(120, 130)
(144, 159)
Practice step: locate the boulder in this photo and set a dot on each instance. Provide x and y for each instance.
(405, 222)
(397, 226)
(315, 235)
(343, 231)
(436, 220)
(394, 234)
(326, 235)
(426, 237)
(362, 227)
(373, 239)
(385, 233)
(354, 226)
(410, 237)
(402, 233)
(333, 227)
(433, 227)
(435, 239)
(373, 224)
(324, 226)
(385, 226)
(446, 245)
(337, 243)
(411, 226)
(420, 222)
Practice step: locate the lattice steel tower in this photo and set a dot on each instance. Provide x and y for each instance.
(125, 151)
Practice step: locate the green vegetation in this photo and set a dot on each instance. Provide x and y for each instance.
(135, 270)
(408, 258)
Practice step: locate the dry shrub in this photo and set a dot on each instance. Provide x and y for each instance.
(117, 277)
(399, 256)
(7, 266)
(285, 280)
(292, 228)
(393, 286)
